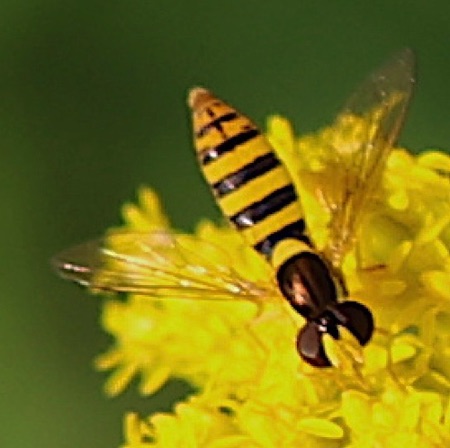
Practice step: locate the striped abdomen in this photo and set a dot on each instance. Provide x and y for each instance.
(251, 186)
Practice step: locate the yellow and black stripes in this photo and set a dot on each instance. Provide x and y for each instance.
(216, 123)
(251, 186)
(208, 155)
(260, 210)
(261, 165)
(295, 230)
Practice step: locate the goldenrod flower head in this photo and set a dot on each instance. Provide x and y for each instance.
(252, 390)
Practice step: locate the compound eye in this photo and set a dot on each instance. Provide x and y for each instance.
(310, 346)
(357, 318)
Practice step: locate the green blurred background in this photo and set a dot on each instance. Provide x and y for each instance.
(92, 105)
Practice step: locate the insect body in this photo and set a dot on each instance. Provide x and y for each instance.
(257, 196)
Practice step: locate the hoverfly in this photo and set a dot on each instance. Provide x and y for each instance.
(256, 194)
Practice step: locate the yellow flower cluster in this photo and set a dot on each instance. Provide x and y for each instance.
(253, 391)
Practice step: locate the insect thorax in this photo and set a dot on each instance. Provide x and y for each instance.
(303, 278)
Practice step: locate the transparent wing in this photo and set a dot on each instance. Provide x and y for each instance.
(358, 146)
(160, 265)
